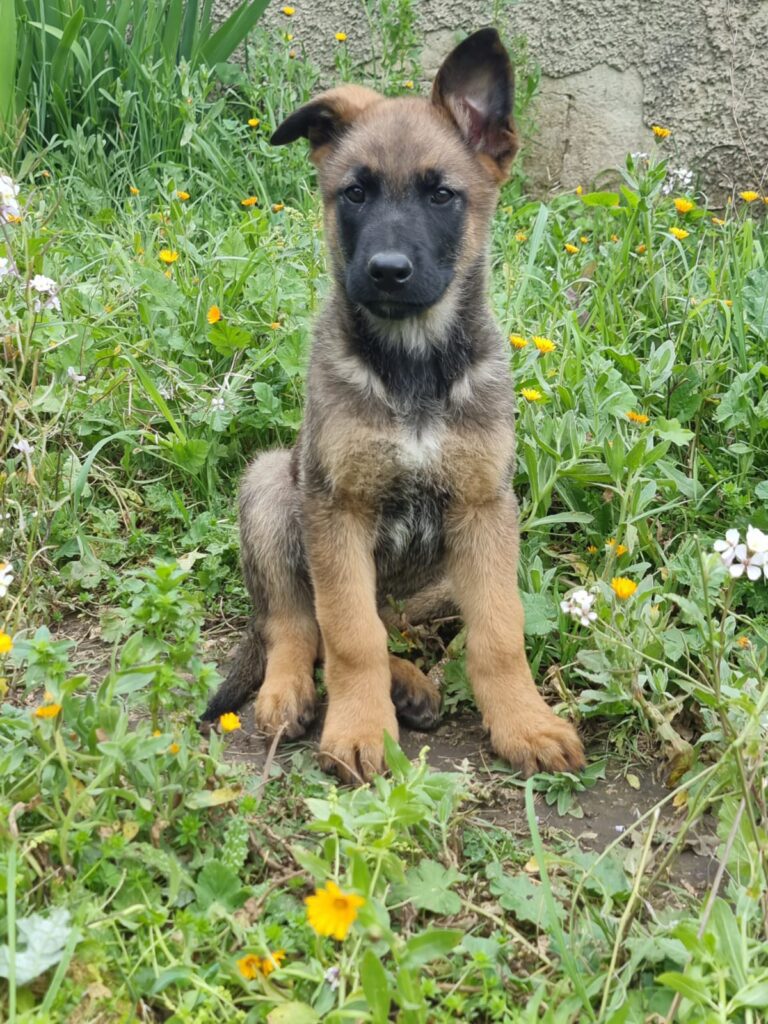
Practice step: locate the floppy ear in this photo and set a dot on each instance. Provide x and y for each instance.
(324, 119)
(476, 87)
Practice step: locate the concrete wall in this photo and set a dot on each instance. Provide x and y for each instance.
(610, 69)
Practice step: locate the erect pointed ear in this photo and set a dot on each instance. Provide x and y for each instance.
(476, 87)
(324, 119)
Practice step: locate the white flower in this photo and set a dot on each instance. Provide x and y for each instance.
(727, 548)
(45, 286)
(9, 206)
(757, 541)
(579, 607)
(679, 179)
(5, 267)
(6, 577)
(332, 977)
(74, 376)
(218, 404)
(24, 447)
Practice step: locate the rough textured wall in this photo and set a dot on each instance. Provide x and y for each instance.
(610, 69)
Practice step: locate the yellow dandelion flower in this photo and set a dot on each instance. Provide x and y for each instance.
(168, 255)
(249, 201)
(45, 174)
(331, 911)
(517, 341)
(213, 315)
(275, 325)
(229, 722)
(531, 394)
(659, 132)
(640, 249)
(583, 239)
(272, 961)
(408, 84)
(133, 190)
(744, 641)
(47, 711)
(174, 748)
(579, 190)
(544, 345)
(249, 966)
(289, 37)
(156, 733)
(570, 248)
(684, 206)
(288, 11)
(718, 222)
(618, 549)
(6, 643)
(341, 37)
(623, 587)
(277, 207)
(521, 237)
(183, 196)
(679, 233)
(749, 196)
(13, 218)
(638, 417)
(253, 122)
(728, 303)
(591, 549)
(614, 238)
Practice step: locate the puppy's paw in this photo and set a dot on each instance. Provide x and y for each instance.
(352, 746)
(416, 698)
(536, 740)
(287, 705)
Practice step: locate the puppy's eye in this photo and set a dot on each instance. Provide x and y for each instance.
(442, 195)
(355, 194)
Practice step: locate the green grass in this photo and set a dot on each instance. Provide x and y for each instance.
(174, 862)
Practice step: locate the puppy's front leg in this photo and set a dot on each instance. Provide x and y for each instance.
(357, 676)
(482, 550)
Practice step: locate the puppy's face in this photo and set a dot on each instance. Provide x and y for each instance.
(409, 185)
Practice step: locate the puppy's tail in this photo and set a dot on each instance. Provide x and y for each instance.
(245, 676)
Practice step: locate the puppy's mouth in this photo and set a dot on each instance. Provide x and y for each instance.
(390, 309)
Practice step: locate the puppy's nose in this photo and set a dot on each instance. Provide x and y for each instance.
(390, 270)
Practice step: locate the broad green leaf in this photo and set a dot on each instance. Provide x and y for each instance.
(670, 430)
(211, 797)
(430, 945)
(293, 1013)
(376, 987)
(428, 887)
(691, 988)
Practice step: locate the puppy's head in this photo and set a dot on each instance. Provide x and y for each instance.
(409, 185)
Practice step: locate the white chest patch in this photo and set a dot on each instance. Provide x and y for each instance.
(421, 449)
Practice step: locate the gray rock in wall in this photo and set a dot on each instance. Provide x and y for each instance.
(610, 69)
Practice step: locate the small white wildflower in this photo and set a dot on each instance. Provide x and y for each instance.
(757, 541)
(639, 156)
(47, 287)
(727, 548)
(332, 977)
(74, 376)
(753, 563)
(6, 577)
(218, 404)
(23, 446)
(9, 206)
(619, 828)
(5, 267)
(679, 179)
(579, 607)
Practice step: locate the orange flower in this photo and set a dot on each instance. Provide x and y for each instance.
(544, 345)
(174, 748)
(229, 721)
(572, 249)
(684, 206)
(517, 341)
(275, 325)
(249, 201)
(133, 190)
(331, 911)
(183, 196)
(623, 587)
(638, 417)
(214, 315)
(659, 132)
(618, 549)
(521, 237)
(718, 222)
(277, 207)
(47, 711)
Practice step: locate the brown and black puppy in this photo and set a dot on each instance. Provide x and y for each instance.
(399, 484)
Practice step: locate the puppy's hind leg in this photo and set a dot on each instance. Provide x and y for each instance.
(278, 652)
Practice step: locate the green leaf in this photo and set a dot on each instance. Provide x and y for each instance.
(600, 198)
(428, 887)
(430, 945)
(211, 797)
(7, 60)
(755, 994)
(45, 939)
(376, 987)
(540, 614)
(692, 988)
(670, 430)
(520, 894)
(293, 1013)
(190, 454)
(227, 338)
(232, 32)
(217, 883)
(761, 491)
